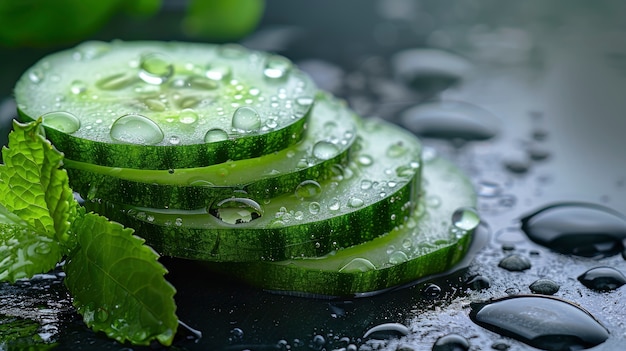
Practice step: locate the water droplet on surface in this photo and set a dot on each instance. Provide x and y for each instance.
(357, 265)
(308, 189)
(398, 257)
(602, 278)
(246, 120)
(387, 331)
(478, 282)
(218, 72)
(515, 263)
(325, 150)
(544, 286)
(488, 189)
(355, 202)
(543, 322)
(231, 51)
(188, 116)
(451, 342)
(236, 210)
(78, 87)
(577, 228)
(155, 68)
(116, 81)
(314, 207)
(215, 135)
(450, 120)
(201, 83)
(396, 150)
(136, 129)
(465, 218)
(429, 70)
(431, 291)
(277, 67)
(35, 76)
(365, 160)
(60, 120)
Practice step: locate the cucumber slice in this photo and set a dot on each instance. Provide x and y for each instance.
(330, 135)
(166, 105)
(378, 192)
(432, 241)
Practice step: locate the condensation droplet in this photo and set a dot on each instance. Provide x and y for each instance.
(136, 129)
(60, 120)
(355, 202)
(314, 208)
(236, 210)
(465, 218)
(308, 189)
(277, 67)
(155, 68)
(365, 160)
(78, 87)
(188, 116)
(214, 135)
(218, 72)
(357, 265)
(246, 119)
(324, 150)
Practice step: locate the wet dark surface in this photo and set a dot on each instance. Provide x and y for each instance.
(550, 78)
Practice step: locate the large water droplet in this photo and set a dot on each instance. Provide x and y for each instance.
(214, 135)
(277, 67)
(544, 286)
(236, 210)
(308, 189)
(357, 265)
(62, 121)
(136, 129)
(188, 116)
(155, 68)
(543, 322)
(602, 278)
(577, 228)
(324, 150)
(465, 218)
(515, 263)
(450, 120)
(246, 120)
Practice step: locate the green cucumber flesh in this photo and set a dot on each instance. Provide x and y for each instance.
(378, 191)
(166, 105)
(432, 241)
(331, 133)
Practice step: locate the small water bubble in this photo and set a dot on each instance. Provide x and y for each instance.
(478, 282)
(365, 160)
(308, 189)
(515, 263)
(303, 103)
(355, 202)
(325, 150)
(465, 218)
(602, 278)
(35, 76)
(451, 342)
(334, 204)
(246, 119)
(174, 140)
(544, 286)
(236, 334)
(78, 87)
(188, 116)
(218, 72)
(155, 68)
(314, 208)
(357, 265)
(366, 184)
(155, 105)
(387, 331)
(136, 129)
(277, 67)
(396, 150)
(236, 210)
(60, 120)
(398, 257)
(488, 189)
(201, 83)
(317, 343)
(215, 135)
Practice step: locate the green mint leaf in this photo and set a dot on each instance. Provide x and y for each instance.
(24, 252)
(33, 186)
(118, 285)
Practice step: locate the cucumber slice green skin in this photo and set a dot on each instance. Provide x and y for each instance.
(199, 187)
(171, 157)
(198, 235)
(176, 93)
(325, 276)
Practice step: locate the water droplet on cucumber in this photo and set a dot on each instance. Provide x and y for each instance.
(218, 72)
(236, 210)
(35, 76)
(314, 207)
(246, 120)
(277, 67)
(324, 150)
(308, 189)
(136, 129)
(62, 121)
(78, 87)
(357, 265)
(116, 81)
(188, 116)
(155, 68)
(215, 135)
(465, 218)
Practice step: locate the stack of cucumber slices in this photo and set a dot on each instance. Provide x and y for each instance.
(233, 157)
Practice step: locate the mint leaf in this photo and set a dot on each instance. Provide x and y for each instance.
(33, 186)
(118, 285)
